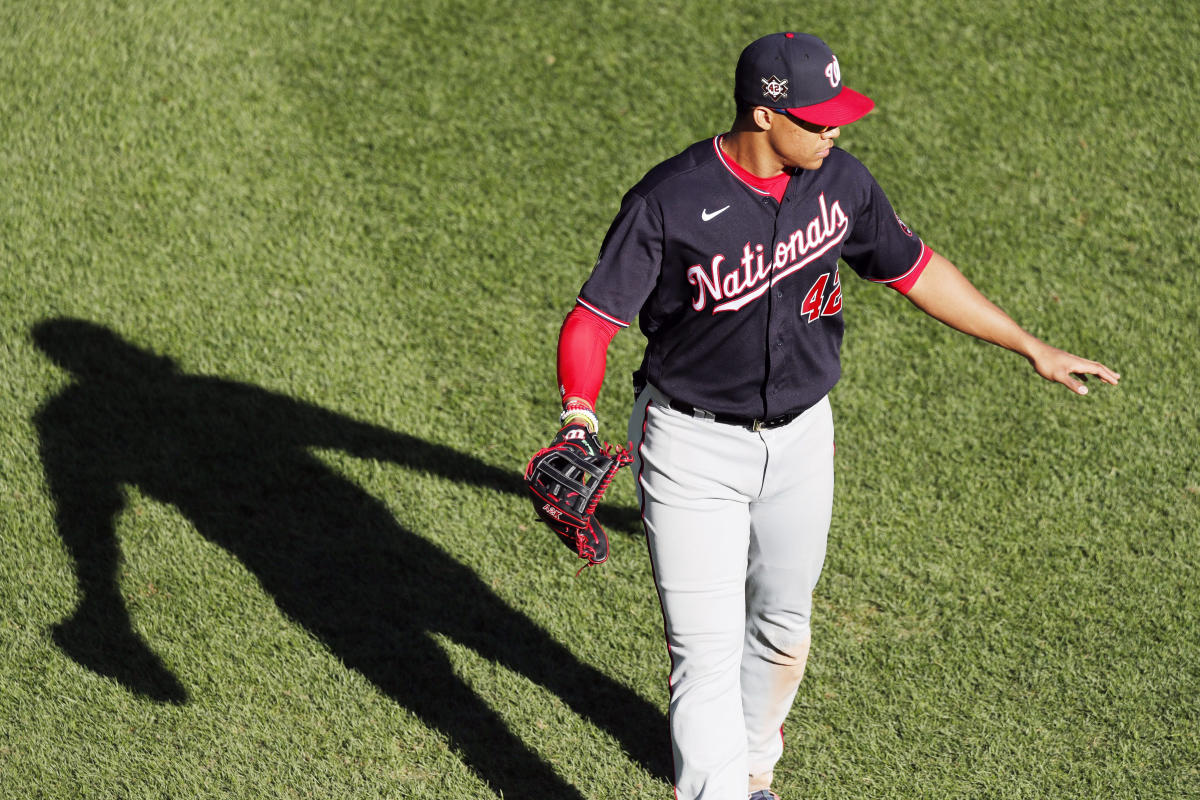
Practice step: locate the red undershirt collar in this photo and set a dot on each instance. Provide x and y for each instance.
(774, 186)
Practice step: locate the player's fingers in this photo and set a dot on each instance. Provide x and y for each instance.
(1079, 371)
(1099, 370)
(1108, 376)
(1073, 383)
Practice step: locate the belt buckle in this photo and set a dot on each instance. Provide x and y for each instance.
(756, 425)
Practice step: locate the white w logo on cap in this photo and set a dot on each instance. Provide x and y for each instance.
(834, 72)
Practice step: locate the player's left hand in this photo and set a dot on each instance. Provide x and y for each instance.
(1068, 369)
(566, 482)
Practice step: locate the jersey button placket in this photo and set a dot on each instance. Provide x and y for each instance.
(775, 327)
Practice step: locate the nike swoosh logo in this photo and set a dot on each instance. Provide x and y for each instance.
(704, 215)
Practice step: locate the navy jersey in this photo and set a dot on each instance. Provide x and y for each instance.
(738, 295)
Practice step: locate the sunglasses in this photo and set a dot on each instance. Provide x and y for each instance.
(811, 127)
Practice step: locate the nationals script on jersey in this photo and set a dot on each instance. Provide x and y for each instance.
(739, 295)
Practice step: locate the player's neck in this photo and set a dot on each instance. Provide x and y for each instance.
(752, 152)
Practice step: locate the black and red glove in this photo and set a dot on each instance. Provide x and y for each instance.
(566, 482)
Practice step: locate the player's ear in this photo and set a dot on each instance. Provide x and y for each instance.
(762, 117)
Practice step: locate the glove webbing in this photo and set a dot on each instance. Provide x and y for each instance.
(620, 456)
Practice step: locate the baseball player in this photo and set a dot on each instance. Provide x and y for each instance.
(728, 255)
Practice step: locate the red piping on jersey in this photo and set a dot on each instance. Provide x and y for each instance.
(619, 322)
(904, 283)
(735, 168)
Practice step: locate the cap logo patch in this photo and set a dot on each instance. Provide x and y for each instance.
(834, 72)
(774, 88)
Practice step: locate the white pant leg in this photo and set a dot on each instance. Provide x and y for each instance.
(789, 530)
(695, 480)
(736, 523)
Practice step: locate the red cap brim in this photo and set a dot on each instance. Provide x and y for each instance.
(847, 107)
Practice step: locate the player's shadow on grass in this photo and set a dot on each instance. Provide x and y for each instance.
(235, 460)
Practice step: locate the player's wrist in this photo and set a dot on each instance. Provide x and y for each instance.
(577, 411)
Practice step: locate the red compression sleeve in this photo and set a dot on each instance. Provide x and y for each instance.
(582, 354)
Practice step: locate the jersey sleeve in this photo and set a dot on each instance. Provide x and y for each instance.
(629, 263)
(880, 247)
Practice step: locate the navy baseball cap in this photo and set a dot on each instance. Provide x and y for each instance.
(798, 72)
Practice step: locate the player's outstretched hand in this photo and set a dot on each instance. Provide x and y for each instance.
(1068, 369)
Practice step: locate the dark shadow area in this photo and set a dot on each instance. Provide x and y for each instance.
(235, 460)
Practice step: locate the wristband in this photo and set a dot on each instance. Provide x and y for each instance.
(589, 416)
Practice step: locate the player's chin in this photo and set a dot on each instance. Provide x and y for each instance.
(816, 160)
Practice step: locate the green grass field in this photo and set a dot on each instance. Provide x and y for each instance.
(280, 284)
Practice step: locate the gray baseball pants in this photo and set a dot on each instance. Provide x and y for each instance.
(737, 522)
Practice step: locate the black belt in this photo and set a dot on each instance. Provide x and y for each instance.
(748, 423)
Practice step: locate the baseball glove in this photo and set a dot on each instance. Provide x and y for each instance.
(566, 482)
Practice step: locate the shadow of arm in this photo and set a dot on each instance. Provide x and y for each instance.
(364, 440)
